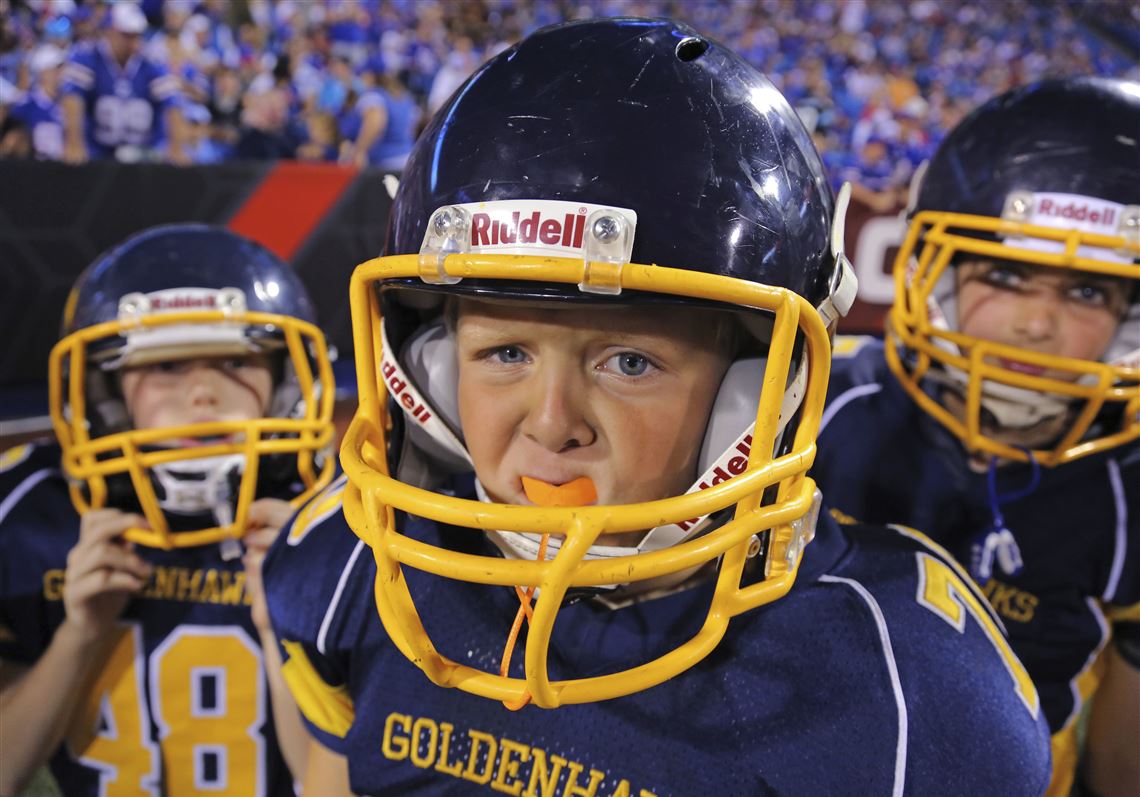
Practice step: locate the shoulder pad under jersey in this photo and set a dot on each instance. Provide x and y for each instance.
(945, 647)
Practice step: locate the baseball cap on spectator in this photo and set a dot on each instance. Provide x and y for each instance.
(58, 27)
(128, 18)
(47, 57)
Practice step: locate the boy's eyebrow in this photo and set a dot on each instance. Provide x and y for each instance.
(499, 330)
(989, 264)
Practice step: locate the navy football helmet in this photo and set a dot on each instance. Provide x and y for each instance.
(609, 163)
(1049, 175)
(179, 292)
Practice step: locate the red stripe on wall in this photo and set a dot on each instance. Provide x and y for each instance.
(290, 203)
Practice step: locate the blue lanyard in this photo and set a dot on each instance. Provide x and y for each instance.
(997, 542)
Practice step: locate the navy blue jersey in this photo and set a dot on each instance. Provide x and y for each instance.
(1072, 564)
(123, 106)
(181, 705)
(879, 673)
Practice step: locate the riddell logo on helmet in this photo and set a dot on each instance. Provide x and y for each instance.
(732, 463)
(535, 228)
(182, 301)
(1077, 211)
(398, 388)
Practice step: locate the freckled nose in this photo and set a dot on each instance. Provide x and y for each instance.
(555, 419)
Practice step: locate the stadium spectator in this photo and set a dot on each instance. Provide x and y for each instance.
(457, 67)
(117, 102)
(381, 128)
(321, 139)
(265, 131)
(39, 115)
(855, 70)
(225, 107)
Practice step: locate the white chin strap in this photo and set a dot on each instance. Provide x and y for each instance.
(200, 486)
(1012, 407)
(430, 359)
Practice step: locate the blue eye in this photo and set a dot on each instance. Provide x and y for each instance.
(510, 355)
(1087, 293)
(630, 363)
(1004, 277)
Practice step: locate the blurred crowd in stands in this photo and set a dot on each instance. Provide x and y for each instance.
(354, 81)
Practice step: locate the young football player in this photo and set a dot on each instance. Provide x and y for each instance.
(191, 397)
(592, 366)
(1002, 413)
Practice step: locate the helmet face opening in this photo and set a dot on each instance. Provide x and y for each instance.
(188, 469)
(1044, 180)
(658, 176)
(737, 481)
(194, 482)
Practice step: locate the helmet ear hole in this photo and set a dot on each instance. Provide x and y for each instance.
(691, 48)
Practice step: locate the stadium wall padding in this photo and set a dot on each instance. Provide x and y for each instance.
(323, 218)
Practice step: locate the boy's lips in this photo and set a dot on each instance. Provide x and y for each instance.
(1022, 368)
(190, 442)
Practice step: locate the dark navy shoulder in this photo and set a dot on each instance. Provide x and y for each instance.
(1122, 580)
(38, 527)
(19, 462)
(33, 491)
(316, 572)
(862, 392)
(944, 646)
(857, 360)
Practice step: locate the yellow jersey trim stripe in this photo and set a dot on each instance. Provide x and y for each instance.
(328, 707)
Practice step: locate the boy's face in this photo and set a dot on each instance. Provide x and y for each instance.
(1048, 311)
(621, 396)
(200, 390)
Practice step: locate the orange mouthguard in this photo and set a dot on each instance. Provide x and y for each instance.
(579, 492)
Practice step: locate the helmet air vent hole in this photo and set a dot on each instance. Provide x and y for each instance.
(691, 48)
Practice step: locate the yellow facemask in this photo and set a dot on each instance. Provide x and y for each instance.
(923, 343)
(95, 453)
(779, 526)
